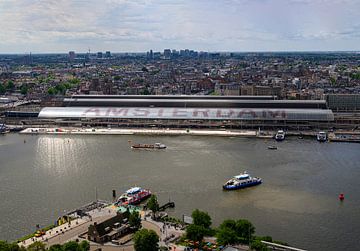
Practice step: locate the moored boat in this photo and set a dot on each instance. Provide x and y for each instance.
(133, 196)
(149, 146)
(272, 147)
(321, 136)
(3, 129)
(240, 181)
(280, 135)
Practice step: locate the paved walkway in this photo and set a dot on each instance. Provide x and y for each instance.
(63, 233)
(164, 231)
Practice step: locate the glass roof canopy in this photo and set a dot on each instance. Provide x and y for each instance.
(188, 113)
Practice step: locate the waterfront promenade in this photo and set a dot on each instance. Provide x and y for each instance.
(338, 136)
(70, 231)
(117, 131)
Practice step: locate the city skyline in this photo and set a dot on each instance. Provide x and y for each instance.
(138, 26)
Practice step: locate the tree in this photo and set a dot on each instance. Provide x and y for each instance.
(74, 81)
(5, 246)
(153, 204)
(195, 232)
(37, 246)
(60, 88)
(84, 246)
(10, 85)
(333, 81)
(258, 246)
(226, 236)
(56, 247)
(24, 90)
(232, 232)
(71, 246)
(2, 89)
(135, 220)
(146, 240)
(245, 230)
(51, 91)
(201, 218)
(145, 92)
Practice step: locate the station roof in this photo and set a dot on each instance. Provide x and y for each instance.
(209, 103)
(188, 113)
(208, 97)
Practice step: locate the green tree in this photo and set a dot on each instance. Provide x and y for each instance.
(333, 81)
(51, 91)
(10, 85)
(201, 218)
(226, 236)
(36, 246)
(5, 246)
(135, 220)
(153, 204)
(71, 246)
(56, 247)
(2, 89)
(195, 232)
(145, 92)
(258, 246)
(60, 88)
(355, 75)
(146, 240)
(24, 90)
(84, 246)
(245, 230)
(74, 81)
(232, 232)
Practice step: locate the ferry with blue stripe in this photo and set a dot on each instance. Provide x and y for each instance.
(240, 181)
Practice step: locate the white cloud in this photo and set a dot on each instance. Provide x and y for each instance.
(138, 25)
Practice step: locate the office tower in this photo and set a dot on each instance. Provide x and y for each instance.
(72, 56)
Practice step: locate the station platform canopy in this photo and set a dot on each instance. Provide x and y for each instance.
(188, 113)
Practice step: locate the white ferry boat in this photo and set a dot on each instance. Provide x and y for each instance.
(133, 196)
(240, 181)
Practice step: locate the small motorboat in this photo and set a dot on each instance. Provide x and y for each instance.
(149, 146)
(272, 147)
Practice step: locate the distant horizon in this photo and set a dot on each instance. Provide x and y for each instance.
(55, 26)
(144, 52)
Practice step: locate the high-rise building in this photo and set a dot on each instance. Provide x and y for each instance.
(108, 54)
(99, 54)
(174, 53)
(28, 59)
(72, 56)
(167, 54)
(151, 55)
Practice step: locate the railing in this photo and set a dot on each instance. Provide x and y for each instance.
(276, 246)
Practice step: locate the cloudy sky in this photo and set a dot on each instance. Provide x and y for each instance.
(208, 25)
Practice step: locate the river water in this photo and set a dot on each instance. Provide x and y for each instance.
(48, 175)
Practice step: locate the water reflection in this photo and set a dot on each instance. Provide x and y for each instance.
(59, 156)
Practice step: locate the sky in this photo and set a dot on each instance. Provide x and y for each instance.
(42, 26)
